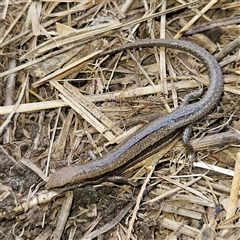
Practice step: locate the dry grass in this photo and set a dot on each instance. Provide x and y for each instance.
(59, 106)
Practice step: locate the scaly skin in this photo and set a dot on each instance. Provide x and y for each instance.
(157, 131)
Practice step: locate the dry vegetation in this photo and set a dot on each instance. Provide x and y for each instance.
(62, 105)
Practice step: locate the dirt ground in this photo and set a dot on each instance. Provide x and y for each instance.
(63, 105)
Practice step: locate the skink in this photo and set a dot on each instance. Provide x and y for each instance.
(157, 131)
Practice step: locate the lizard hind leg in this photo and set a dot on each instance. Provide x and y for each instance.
(188, 130)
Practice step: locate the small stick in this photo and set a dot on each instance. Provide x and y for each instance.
(232, 205)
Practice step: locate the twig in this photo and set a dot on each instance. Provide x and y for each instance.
(195, 18)
(2, 127)
(141, 91)
(232, 205)
(10, 91)
(62, 219)
(110, 225)
(139, 198)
